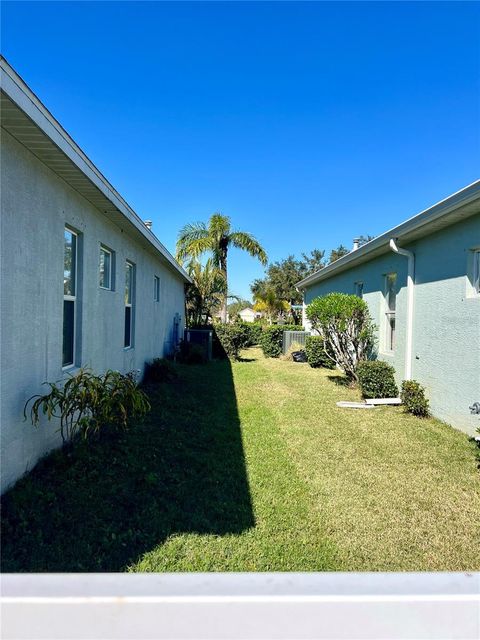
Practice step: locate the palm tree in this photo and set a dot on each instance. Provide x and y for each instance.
(217, 237)
(206, 292)
(266, 302)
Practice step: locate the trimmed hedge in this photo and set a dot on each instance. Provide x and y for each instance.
(272, 339)
(376, 379)
(232, 338)
(316, 354)
(414, 400)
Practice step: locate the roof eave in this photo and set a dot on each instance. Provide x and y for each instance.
(420, 224)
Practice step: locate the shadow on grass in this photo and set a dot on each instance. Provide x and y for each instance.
(103, 505)
(342, 381)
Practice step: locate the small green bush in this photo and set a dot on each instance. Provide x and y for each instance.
(255, 331)
(272, 339)
(232, 338)
(86, 403)
(159, 370)
(376, 379)
(316, 354)
(413, 398)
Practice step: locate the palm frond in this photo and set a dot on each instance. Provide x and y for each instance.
(193, 240)
(248, 242)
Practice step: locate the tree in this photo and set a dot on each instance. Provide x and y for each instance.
(337, 253)
(206, 293)
(268, 303)
(282, 276)
(216, 238)
(343, 321)
(313, 262)
(364, 239)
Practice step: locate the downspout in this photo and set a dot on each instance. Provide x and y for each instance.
(410, 294)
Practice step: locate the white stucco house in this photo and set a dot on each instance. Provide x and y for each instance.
(249, 315)
(84, 281)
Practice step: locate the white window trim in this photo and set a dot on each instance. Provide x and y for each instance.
(358, 284)
(110, 275)
(387, 314)
(130, 304)
(476, 272)
(156, 288)
(73, 299)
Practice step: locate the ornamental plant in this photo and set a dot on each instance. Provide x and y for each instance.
(86, 403)
(376, 379)
(343, 321)
(315, 352)
(413, 398)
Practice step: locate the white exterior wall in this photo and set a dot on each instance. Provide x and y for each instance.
(35, 206)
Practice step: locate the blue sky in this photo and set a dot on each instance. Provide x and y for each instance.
(307, 123)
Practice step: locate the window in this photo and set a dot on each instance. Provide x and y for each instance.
(391, 303)
(476, 271)
(106, 268)
(69, 296)
(156, 288)
(359, 289)
(129, 297)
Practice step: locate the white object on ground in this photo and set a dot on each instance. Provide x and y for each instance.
(354, 405)
(383, 401)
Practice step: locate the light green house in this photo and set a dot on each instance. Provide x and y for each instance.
(421, 281)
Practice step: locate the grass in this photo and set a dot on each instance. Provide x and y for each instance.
(252, 467)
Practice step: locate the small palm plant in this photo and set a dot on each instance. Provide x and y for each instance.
(86, 403)
(216, 237)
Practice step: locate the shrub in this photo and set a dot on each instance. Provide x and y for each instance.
(232, 338)
(413, 398)
(376, 379)
(255, 331)
(272, 339)
(344, 323)
(86, 403)
(316, 354)
(159, 370)
(192, 353)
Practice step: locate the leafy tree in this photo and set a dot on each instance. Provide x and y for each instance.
(364, 239)
(207, 292)
(282, 276)
(343, 321)
(216, 238)
(337, 253)
(272, 306)
(313, 262)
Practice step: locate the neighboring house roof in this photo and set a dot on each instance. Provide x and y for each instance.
(247, 310)
(25, 117)
(460, 205)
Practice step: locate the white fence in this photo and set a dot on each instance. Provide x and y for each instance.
(276, 606)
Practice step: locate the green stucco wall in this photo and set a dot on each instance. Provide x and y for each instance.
(446, 327)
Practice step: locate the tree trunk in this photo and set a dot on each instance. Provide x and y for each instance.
(223, 267)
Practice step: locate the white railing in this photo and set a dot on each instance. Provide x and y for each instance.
(274, 605)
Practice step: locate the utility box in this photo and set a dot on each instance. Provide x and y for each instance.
(202, 337)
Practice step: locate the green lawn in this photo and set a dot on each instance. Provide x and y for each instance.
(252, 467)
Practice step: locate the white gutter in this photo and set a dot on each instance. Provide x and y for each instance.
(410, 291)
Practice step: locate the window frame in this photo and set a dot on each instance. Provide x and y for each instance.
(156, 288)
(476, 272)
(390, 335)
(359, 289)
(71, 297)
(129, 303)
(105, 249)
